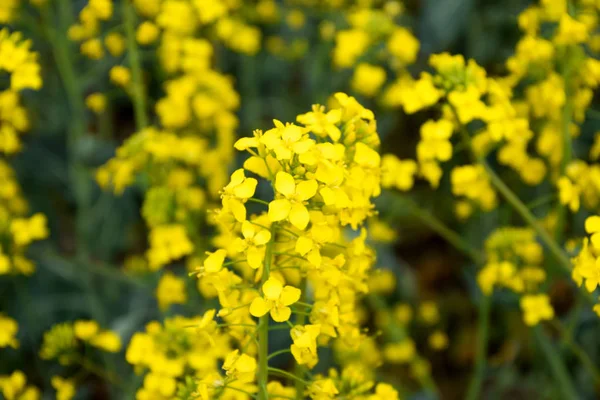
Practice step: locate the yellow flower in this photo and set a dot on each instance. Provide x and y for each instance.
(592, 227)
(147, 33)
(214, 262)
(26, 231)
(240, 367)
(349, 46)
(438, 340)
(85, 330)
(304, 348)
(397, 173)
(384, 391)
(65, 388)
(435, 141)
(8, 331)
(429, 313)
(292, 206)
(238, 190)
(536, 308)
(253, 243)
(14, 387)
(108, 341)
(170, 290)
(92, 48)
(115, 43)
(120, 75)
(96, 102)
(568, 193)
(276, 300)
(367, 79)
(401, 352)
(403, 46)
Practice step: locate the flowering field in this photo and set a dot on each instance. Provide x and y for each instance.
(299, 199)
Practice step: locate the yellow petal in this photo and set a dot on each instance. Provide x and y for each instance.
(307, 189)
(255, 257)
(248, 229)
(237, 209)
(245, 143)
(259, 307)
(237, 177)
(214, 261)
(285, 184)
(366, 156)
(289, 295)
(246, 189)
(299, 216)
(279, 209)
(592, 224)
(303, 245)
(280, 314)
(272, 289)
(262, 237)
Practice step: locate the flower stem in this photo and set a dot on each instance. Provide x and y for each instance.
(287, 375)
(300, 320)
(445, 232)
(577, 351)
(263, 329)
(476, 383)
(559, 371)
(138, 91)
(561, 211)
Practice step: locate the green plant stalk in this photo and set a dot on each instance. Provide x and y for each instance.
(559, 371)
(561, 210)
(300, 320)
(138, 91)
(585, 359)
(474, 390)
(263, 329)
(445, 232)
(79, 176)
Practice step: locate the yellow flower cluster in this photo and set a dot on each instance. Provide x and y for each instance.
(181, 20)
(15, 387)
(514, 259)
(18, 60)
(182, 348)
(64, 341)
(372, 26)
(561, 75)
(402, 349)
(323, 174)
(8, 331)
(17, 230)
(586, 267)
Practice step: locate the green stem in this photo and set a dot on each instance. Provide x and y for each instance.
(585, 359)
(263, 329)
(138, 90)
(476, 383)
(559, 371)
(522, 209)
(448, 234)
(278, 352)
(561, 210)
(300, 320)
(287, 375)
